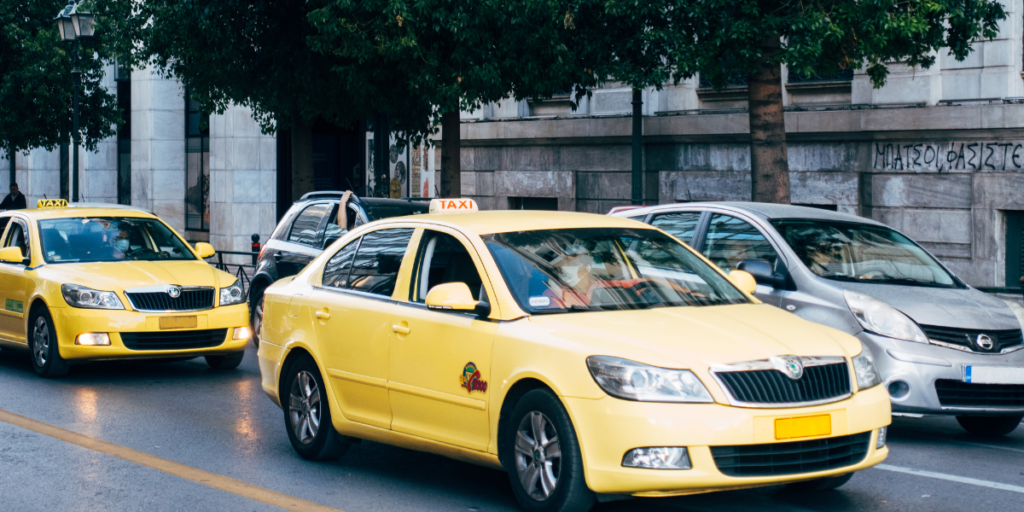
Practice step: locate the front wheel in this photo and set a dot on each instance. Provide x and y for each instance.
(46, 360)
(821, 484)
(989, 426)
(546, 466)
(307, 415)
(256, 318)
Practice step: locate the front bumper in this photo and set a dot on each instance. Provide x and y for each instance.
(919, 365)
(609, 427)
(70, 322)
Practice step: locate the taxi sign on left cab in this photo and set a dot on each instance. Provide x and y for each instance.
(456, 205)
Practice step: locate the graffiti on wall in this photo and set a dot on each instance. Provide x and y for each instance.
(949, 156)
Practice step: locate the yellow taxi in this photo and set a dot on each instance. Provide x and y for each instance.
(98, 283)
(588, 356)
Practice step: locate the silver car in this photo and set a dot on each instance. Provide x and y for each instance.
(941, 346)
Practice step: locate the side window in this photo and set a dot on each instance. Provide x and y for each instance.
(304, 231)
(639, 218)
(730, 241)
(443, 259)
(378, 259)
(334, 231)
(16, 237)
(680, 225)
(3, 224)
(337, 270)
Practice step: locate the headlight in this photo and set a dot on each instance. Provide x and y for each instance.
(232, 294)
(630, 380)
(881, 318)
(864, 367)
(1018, 311)
(82, 297)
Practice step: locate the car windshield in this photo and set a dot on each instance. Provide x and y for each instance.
(601, 269)
(100, 239)
(848, 251)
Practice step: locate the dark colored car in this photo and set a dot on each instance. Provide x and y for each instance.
(309, 226)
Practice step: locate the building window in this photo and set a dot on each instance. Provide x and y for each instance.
(733, 78)
(123, 78)
(197, 167)
(533, 203)
(820, 74)
(1014, 248)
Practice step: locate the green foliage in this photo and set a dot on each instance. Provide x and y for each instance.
(36, 81)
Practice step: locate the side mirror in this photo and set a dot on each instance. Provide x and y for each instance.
(205, 250)
(762, 272)
(12, 255)
(743, 280)
(456, 297)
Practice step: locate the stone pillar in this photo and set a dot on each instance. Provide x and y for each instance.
(98, 171)
(158, 146)
(38, 175)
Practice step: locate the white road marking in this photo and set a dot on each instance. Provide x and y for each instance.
(994, 447)
(952, 478)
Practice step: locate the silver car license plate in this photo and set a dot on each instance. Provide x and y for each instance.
(993, 375)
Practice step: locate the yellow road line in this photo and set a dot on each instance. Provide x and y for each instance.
(221, 482)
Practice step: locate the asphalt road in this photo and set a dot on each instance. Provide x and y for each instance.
(222, 423)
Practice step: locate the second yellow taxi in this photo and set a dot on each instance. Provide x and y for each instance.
(587, 356)
(100, 283)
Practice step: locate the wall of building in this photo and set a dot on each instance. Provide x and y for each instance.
(158, 146)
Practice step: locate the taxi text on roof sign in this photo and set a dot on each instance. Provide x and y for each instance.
(452, 205)
(52, 203)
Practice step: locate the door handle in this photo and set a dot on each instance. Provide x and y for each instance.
(323, 315)
(400, 329)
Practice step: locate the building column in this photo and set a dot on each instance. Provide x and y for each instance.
(158, 146)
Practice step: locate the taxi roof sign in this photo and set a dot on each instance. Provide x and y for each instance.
(452, 206)
(52, 203)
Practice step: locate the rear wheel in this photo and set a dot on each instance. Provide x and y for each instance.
(821, 484)
(544, 464)
(46, 360)
(227, 362)
(989, 426)
(307, 415)
(256, 317)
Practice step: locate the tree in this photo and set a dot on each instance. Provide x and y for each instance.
(719, 38)
(36, 81)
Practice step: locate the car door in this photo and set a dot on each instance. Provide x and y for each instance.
(441, 361)
(303, 241)
(15, 283)
(352, 312)
(730, 240)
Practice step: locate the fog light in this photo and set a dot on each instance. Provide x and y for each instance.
(93, 338)
(241, 333)
(882, 434)
(899, 389)
(657, 458)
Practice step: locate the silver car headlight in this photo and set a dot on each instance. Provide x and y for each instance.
(881, 318)
(82, 297)
(232, 294)
(864, 368)
(1018, 311)
(630, 380)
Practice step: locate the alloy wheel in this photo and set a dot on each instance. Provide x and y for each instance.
(304, 407)
(538, 456)
(41, 341)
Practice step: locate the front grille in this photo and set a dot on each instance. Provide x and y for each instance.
(968, 338)
(954, 393)
(173, 340)
(189, 300)
(791, 458)
(773, 387)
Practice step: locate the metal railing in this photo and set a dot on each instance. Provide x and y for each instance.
(244, 272)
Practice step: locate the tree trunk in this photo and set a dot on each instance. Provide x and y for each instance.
(451, 155)
(302, 157)
(769, 167)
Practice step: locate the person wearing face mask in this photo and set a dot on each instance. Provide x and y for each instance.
(119, 244)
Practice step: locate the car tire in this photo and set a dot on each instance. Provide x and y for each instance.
(307, 413)
(256, 317)
(821, 484)
(543, 456)
(227, 362)
(42, 344)
(989, 426)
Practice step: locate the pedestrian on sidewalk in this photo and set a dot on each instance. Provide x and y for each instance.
(15, 200)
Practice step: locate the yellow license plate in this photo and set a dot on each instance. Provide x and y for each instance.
(804, 426)
(179, 322)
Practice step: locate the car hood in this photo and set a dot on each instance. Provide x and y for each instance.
(123, 275)
(964, 308)
(696, 337)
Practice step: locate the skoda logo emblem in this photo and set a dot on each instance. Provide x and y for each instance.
(985, 342)
(790, 366)
(174, 291)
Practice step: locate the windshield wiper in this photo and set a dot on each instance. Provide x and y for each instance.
(837, 276)
(571, 309)
(907, 280)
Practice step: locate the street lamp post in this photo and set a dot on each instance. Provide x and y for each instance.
(73, 25)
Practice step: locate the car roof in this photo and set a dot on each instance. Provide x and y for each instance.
(505, 221)
(767, 211)
(79, 210)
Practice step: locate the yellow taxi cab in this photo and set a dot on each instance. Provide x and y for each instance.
(91, 283)
(585, 355)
